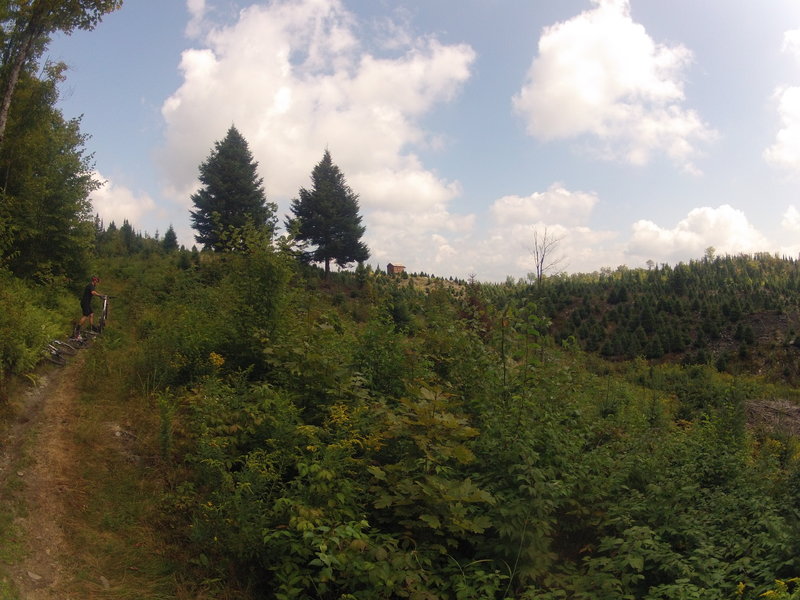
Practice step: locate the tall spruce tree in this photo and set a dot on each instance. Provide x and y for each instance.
(170, 241)
(327, 218)
(232, 194)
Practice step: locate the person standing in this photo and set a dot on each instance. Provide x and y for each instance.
(87, 311)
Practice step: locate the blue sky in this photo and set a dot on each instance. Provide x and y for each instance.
(633, 130)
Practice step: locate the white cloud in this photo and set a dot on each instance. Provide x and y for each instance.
(295, 78)
(600, 74)
(418, 190)
(725, 228)
(791, 219)
(785, 152)
(556, 205)
(117, 203)
(791, 43)
(503, 247)
(197, 12)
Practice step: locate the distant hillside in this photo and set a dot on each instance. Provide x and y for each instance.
(740, 314)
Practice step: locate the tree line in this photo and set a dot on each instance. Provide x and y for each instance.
(737, 313)
(326, 226)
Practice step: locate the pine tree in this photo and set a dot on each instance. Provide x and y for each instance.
(232, 194)
(327, 218)
(170, 241)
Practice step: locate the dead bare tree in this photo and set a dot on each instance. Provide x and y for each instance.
(544, 249)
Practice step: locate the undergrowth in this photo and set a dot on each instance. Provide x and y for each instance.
(251, 430)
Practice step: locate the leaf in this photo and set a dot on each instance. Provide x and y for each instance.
(377, 473)
(432, 521)
(384, 501)
(463, 454)
(637, 562)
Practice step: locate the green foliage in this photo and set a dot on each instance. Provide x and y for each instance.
(784, 590)
(45, 223)
(194, 322)
(420, 488)
(327, 218)
(170, 241)
(232, 194)
(26, 30)
(384, 358)
(320, 447)
(27, 323)
(712, 311)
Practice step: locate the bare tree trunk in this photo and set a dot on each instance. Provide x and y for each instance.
(542, 249)
(17, 58)
(8, 91)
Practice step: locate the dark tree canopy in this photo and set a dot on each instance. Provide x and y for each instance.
(232, 195)
(46, 223)
(170, 241)
(327, 218)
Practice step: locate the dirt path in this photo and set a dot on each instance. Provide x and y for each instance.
(35, 466)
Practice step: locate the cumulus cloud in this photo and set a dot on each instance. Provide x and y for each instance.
(297, 77)
(725, 228)
(791, 219)
(113, 202)
(504, 247)
(556, 205)
(785, 152)
(197, 12)
(601, 75)
(791, 43)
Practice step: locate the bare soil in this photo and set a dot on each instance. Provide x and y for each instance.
(775, 417)
(36, 475)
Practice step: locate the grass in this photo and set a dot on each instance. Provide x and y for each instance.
(124, 542)
(115, 528)
(11, 544)
(120, 542)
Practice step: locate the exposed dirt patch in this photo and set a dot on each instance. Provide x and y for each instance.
(774, 416)
(35, 474)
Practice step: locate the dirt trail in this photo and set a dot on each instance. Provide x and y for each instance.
(35, 465)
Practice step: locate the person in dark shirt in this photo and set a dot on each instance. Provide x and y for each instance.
(86, 303)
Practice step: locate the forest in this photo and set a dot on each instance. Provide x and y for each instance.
(301, 431)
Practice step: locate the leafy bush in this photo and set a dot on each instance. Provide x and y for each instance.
(27, 326)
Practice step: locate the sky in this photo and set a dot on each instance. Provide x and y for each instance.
(633, 131)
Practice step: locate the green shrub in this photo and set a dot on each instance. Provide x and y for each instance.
(26, 324)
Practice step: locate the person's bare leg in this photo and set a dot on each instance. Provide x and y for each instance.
(83, 320)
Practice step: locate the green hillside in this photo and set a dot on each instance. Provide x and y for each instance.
(366, 436)
(739, 314)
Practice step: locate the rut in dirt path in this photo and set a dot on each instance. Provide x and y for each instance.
(36, 458)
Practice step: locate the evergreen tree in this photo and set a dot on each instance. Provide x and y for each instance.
(128, 237)
(327, 218)
(232, 194)
(46, 224)
(170, 241)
